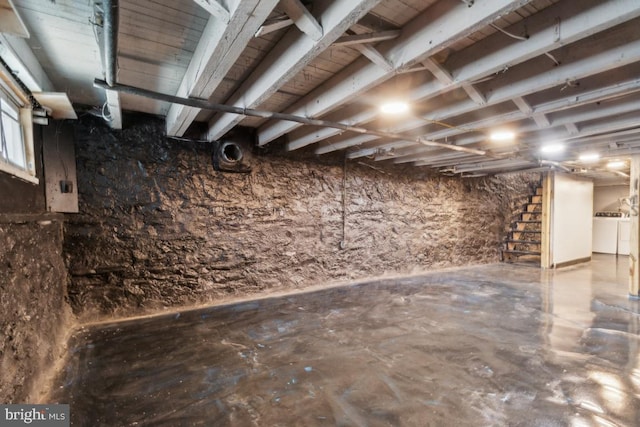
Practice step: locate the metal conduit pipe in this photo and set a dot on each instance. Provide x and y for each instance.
(110, 39)
(206, 105)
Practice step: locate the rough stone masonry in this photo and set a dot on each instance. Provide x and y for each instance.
(158, 227)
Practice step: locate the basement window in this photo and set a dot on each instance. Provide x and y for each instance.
(16, 138)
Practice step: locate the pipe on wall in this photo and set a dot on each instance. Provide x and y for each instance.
(206, 105)
(110, 50)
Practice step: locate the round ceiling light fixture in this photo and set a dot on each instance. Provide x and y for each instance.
(589, 157)
(616, 164)
(394, 107)
(502, 136)
(553, 148)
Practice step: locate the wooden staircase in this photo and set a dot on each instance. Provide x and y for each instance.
(523, 241)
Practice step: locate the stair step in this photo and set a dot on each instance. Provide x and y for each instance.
(527, 231)
(531, 242)
(517, 252)
(528, 221)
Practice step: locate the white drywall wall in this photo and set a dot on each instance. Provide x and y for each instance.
(606, 198)
(572, 225)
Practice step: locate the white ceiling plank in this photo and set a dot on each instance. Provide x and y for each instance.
(367, 38)
(473, 63)
(115, 111)
(217, 51)
(420, 38)
(302, 18)
(374, 56)
(215, 9)
(288, 58)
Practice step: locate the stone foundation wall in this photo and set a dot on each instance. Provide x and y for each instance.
(160, 228)
(34, 314)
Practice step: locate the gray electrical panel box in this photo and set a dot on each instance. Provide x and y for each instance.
(59, 158)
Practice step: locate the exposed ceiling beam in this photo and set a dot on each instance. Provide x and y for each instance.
(218, 49)
(492, 165)
(580, 99)
(581, 62)
(572, 129)
(615, 143)
(421, 38)
(499, 52)
(288, 58)
(274, 24)
(374, 56)
(523, 105)
(474, 93)
(540, 118)
(375, 23)
(203, 104)
(115, 112)
(302, 18)
(439, 72)
(10, 20)
(613, 123)
(444, 76)
(215, 9)
(20, 58)
(367, 38)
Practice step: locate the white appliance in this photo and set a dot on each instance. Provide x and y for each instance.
(605, 235)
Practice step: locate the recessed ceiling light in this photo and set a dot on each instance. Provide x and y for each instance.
(616, 164)
(553, 148)
(589, 157)
(394, 107)
(502, 136)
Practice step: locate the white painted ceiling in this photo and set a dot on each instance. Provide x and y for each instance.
(549, 70)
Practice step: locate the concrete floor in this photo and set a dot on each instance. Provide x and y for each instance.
(497, 345)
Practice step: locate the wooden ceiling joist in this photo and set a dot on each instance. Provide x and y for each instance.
(215, 9)
(581, 62)
(220, 46)
(302, 18)
(288, 58)
(497, 53)
(421, 38)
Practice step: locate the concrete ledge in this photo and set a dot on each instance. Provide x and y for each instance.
(21, 218)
